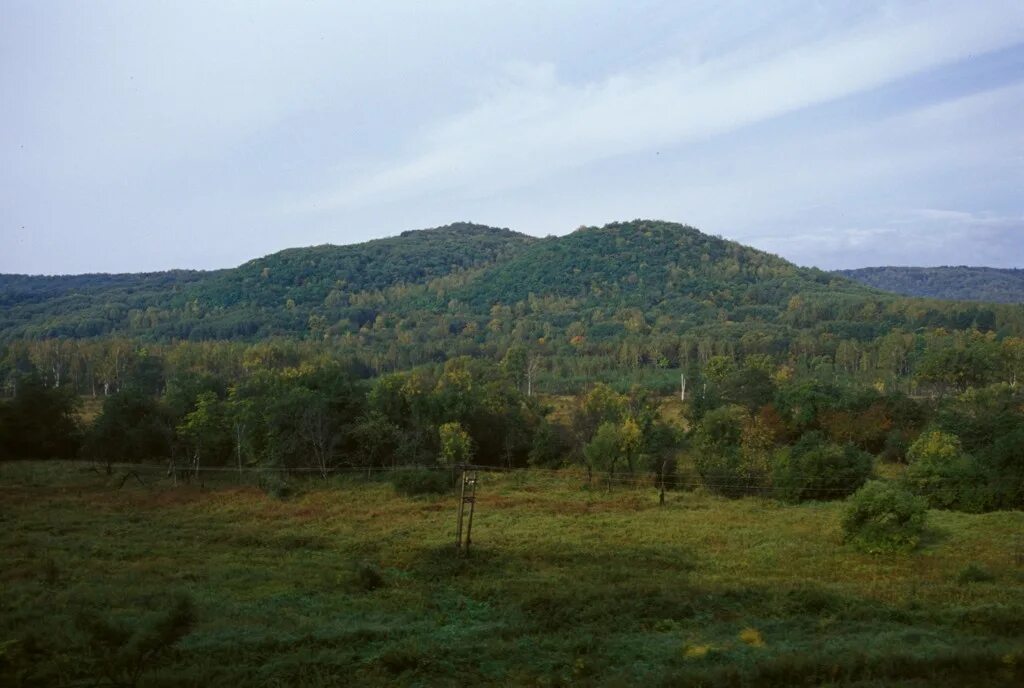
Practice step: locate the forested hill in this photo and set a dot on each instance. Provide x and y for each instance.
(627, 291)
(959, 283)
(671, 267)
(273, 295)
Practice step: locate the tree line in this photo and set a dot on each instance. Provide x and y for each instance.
(748, 425)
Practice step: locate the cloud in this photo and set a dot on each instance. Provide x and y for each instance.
(530, 125)
(189, 134)
(927, 236)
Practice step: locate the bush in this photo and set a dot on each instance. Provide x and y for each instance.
(817, 469)
(272, 482)
(974, 573)
(884, 517)
(369, 577)
(421, 482)
(122, 653)
(897, 444)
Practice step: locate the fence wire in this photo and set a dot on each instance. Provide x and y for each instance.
(532, 476)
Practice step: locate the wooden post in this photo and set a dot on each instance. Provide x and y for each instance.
(468, 479)
(472, 507)
(462, 504)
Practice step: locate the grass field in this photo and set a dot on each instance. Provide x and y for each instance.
(346, 583)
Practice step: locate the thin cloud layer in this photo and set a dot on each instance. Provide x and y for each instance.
(533, 126)
(202, 135)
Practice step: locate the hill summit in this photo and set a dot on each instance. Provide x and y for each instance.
(474, 289)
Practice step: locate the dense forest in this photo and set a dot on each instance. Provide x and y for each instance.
(629, 296)
(960, 283)
(453, 345)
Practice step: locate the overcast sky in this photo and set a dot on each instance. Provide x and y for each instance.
(143, 135)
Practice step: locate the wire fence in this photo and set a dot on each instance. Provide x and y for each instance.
(578, 476)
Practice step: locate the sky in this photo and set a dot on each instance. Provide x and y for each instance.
(144, 135)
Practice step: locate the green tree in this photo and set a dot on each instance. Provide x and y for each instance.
(377, 440)
(603, 452)
(751, 387)
(205, 432)
(131, 427)
(39, 422)
(548, 447)
(732, 451)
(318, 427)
(942, 473)
(719, 367)
(600, 405)
(815, 468)
(456, 445)
(631, 441)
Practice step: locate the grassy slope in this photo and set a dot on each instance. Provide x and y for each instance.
(564, 586)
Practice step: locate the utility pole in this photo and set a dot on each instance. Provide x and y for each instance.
(682, 386)
(465, 497)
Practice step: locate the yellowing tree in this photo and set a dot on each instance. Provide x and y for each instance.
(456, 444)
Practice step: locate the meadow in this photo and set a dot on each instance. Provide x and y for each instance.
(347, 582)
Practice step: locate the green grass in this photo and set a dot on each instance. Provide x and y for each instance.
(347, 582)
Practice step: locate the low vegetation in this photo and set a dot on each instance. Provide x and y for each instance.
(884, 517)
(348, 582)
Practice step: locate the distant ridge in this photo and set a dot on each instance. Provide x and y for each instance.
(958, 283)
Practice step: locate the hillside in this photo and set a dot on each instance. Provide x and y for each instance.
(627, 295)
(270, 295)
(960, 283)
(666, 266)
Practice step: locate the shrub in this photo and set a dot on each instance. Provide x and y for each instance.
(122, 653)
(421, 482)
(884, 517)
(897, 443)
(405, 655)
(273, 483)
(817, 469)
(974, 573)
(369, 577)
